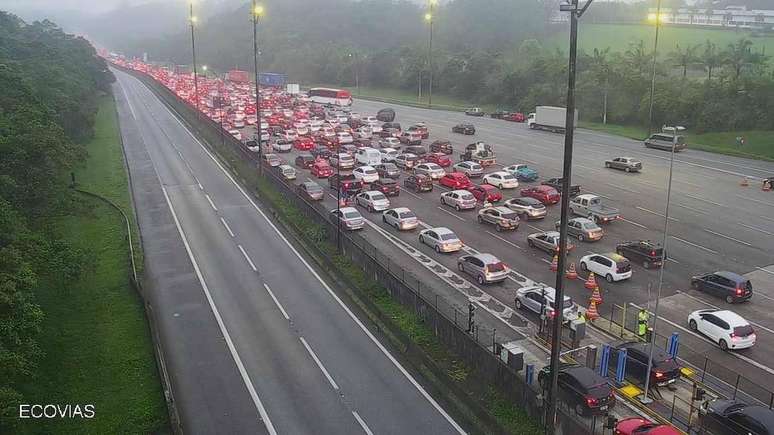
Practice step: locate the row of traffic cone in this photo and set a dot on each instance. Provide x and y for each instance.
(591, 283)
(766, 186)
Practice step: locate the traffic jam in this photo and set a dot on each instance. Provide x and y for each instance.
(420, 189)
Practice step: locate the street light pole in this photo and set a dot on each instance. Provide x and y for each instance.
(644, 397)
(257, 11)
(192, 20)
(556, 334)
(429, 18)
(653, 77)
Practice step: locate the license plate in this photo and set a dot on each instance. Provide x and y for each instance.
(603, 408)
(671, 381)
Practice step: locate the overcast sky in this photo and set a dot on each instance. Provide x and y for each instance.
(94, 6)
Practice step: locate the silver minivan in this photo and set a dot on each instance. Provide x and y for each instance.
(486, 268)
(663, 141)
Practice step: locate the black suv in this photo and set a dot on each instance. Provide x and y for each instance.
(321, 152)
(665, 370)
(349, 183)
(419, 183)
(644, 252)
(728, 285)
(305, 160)
(441, 146)
(556, 183)
(387, 170)
(417, 150)
(581, 388)
(388, 186)
(464, 129)
(729, 417)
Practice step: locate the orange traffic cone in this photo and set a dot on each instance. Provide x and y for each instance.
(591, 283)
(555, 263)
(571, 272)
(745, 182)
(592, 313)
(766, 186)
(596, 296)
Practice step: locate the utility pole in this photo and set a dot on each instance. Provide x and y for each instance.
(192, 20)
(429, 17)
(653, 77)
(257, 11)
(575, 14)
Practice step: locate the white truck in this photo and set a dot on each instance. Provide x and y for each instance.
(591, 206)
(549, 118)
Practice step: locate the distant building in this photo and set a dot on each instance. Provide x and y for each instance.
(730, 17)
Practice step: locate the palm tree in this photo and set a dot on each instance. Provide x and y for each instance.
(637, 57)
(711, 58)
(684, 57)
(600, 66)
(739, 55)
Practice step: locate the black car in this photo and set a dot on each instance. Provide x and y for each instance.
(419, 183)
(665, 370)
(464, 129)
(387, 170)
(321, 152)
(362, 142)
(389, 132)
(391, 125)
(730, 417)
(499, 114)
(417, 150)
(305, 160)
(388, 186)
(556, 183)
(728, 285)
(385, 115)
(644, 252)
(581, 388)
(441, 146)
(349, 183)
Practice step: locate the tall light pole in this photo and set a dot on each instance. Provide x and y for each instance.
(257, 12)
(429, 18)
(657, 19)
(556, 334)
(355, 59)
(192, 19)
(204, 70)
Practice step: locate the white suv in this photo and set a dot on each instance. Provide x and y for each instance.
(612, 266)
(726, 328)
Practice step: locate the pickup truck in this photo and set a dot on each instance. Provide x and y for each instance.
(591, 206)
(480, 153)
(556, 183)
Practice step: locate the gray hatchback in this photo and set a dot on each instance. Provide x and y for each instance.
(486, 268)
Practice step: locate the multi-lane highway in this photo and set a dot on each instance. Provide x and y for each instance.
(255, 340)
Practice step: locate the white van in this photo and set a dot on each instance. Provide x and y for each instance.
(368, 156)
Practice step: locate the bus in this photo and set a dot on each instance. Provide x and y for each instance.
(333, 97)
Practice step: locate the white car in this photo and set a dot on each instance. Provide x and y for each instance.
(430, 169)
(289, 134)
(344, 138)
(389, 142)
(364, 132)
(389, 154)
(239, 123)
(368, 156)
(536, 298)
(366, 174)
(726, 328)
(502, 180)
(287, 172)
(342, 161)
(372, 200)
(282, 146)
(401, 218)
(237, 135)
(315, 125)
(349, 217)
(612, 266)
(441, 239)
(328, 133)
(302, 130)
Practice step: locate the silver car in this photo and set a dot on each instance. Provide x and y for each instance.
(372, 200)
(538, 298)
(527, 208)
(459, 199)
(349, 218)
(390, 142)
(501, 217)
(441, 239)
(401, 218)
(406, 160)
(471, 169)
(583, 229)
(485, 268)
(432, 170)
(342, 160)
(628, 164)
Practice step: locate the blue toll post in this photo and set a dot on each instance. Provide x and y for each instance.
(620, 371)
(604, 360)
(529, 373)
(674, 343)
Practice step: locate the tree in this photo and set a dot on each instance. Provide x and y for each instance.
(740, 55)
(637, 58)
(711, 58)
(684, 57)
(600, 67)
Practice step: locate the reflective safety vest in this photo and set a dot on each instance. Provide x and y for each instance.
(642, 323)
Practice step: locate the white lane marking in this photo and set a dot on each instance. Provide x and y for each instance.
(234, 354)
(314, 273)
(765, 270)
(448, 212)
(705, 200)
(770, 204)
(545, 261)
(212, 204)
(755, 228)
(131, 109)
(727, 237)
(276, 301)
(412, 194)
(319, 363)
(694, 245)
(702, 301)
(247, 257)
(535, 228)
(503, 240)
(656, 213)
(230, 233)
(691, 208)
(701, 337)
(673, 260)
(362, 423)
(634, 223)
(615, 186)
(766, 218)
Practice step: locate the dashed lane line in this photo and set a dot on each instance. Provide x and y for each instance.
(504, 240)
(728, 237)
(634, 223)
(450, 213)
(225, 224)
(247, 257)
(319, 364)
(277, 302)
(704, 248)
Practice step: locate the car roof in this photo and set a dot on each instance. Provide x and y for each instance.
(348, 209)
(614, 256)
(585, 376)
(486, 258)
(730, 317)
(502, 209)
(551, 233)
(582, 220)
(311, 184)
(441, 230)
(459, 191)
(401, 209)
(526, 200)
(731, 275)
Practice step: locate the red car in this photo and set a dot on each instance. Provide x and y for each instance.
(640, 426)
(439, 159)
(545, 194)
(515, 117)
(486, 192)
(303, 143)
(321, 169)
(455, 180)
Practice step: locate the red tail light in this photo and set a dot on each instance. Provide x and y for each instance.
(659, 375)
(590, 401)
(738, 291)
(652, 253)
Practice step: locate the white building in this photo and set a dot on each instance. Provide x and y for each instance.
(731, 16)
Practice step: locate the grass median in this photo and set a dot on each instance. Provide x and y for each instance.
(95, 336)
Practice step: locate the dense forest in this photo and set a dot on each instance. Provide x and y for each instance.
(487, 51)
(49, 83)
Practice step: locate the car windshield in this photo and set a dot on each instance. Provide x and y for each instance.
(448, 236)
(378, 197)
(476, 167)
(510, 216)
(407, 215)
(314, 189)
(508, 177)
(467, 197)
(369, 171)
(351, 214)
(496, 267)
